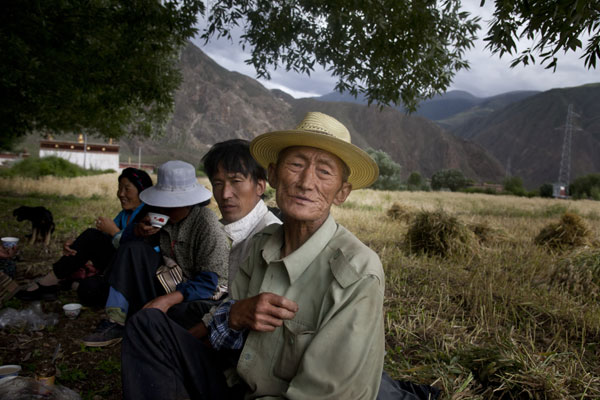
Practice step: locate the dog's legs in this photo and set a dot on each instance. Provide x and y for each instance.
(47, 239)
(34, 233)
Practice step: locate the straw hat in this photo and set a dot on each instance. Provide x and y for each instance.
(177, 186)
(323, 132)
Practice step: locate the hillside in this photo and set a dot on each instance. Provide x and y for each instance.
(528, 135)
(214, 104)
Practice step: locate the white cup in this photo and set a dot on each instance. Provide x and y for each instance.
(72, 310)
(158, 220)
(9, 241)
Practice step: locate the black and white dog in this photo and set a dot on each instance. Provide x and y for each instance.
(42, 223)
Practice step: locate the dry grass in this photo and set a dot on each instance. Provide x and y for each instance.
(571, 231)
(438, 233)
(400, 212)
(504, 320)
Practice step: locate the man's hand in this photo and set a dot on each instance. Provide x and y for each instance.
(166, 301)
(8, 252)
(144, 228)
(107, 225)
(262, 313)
(199, 331)
(67, 250)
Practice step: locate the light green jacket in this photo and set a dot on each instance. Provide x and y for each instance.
(334, 346)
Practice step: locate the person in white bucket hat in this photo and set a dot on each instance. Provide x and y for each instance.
(304, 319)
(192, 239)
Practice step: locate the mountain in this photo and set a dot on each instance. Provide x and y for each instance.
(214, 104)
(447, 109)
(528, 135)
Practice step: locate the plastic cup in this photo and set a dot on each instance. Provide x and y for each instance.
(9, 241)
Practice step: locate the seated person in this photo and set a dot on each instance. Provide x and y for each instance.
(96, 245)
(305, 315)
(238, 184)
(7, 260)
(192, 238)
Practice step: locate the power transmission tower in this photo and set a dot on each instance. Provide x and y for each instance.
(564, 174)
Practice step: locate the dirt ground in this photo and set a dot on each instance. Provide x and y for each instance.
(95, 373)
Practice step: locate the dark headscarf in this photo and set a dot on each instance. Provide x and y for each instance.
(139, 178)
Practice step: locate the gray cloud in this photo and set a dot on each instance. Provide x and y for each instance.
(489, 75)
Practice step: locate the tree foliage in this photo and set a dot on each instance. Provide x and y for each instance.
(414, 181)
(514, 185)
(391, 51)
(104, 66)
(389, 171)
(552, 26)
(586, 187)
(452, 179)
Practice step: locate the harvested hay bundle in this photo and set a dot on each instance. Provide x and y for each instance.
(400, 212)
(437, 233)
(570, 231)
(485, 233)
(579, 273)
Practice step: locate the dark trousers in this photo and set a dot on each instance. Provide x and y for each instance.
(133, 273)
(92, 245)
(188, 314)
(161, 360)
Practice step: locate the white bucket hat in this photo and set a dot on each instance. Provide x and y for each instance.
(177, 186)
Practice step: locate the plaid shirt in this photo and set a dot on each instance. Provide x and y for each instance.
(221, 335)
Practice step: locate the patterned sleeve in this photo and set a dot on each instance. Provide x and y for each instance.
(221, 335)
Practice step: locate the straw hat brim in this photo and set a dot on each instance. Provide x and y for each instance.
(363, 170)
(157, 197)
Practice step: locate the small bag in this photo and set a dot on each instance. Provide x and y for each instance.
(169, 275)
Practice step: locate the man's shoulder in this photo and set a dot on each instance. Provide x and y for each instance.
(352, 259)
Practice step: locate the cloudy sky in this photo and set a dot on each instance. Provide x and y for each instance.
(489, 75)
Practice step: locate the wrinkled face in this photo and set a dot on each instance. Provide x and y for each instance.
(128, 195)
(235, 193)
(307, 182)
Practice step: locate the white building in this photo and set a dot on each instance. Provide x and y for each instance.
(94, 156)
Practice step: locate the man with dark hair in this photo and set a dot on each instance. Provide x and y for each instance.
(238, 183)
(305, 314)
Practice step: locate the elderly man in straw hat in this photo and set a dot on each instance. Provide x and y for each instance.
(305, 317)
(192, 239)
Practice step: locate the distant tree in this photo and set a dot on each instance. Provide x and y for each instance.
(586, 187)
(414, 181)
(552, 26)
(514, 185)
(389, 171)
(448, 178)
(546, 190)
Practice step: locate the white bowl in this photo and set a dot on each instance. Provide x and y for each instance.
(72, 310)
(9, 370)
(9, 241)
(158, 220)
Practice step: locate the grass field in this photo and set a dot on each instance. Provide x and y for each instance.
(505, 318)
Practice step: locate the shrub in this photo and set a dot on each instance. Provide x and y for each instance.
(546, 190)
(34, 167)
(438, 233)
(448, 178)
(389, 171)
(570, 231)
(514, 185)
(586, 187)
